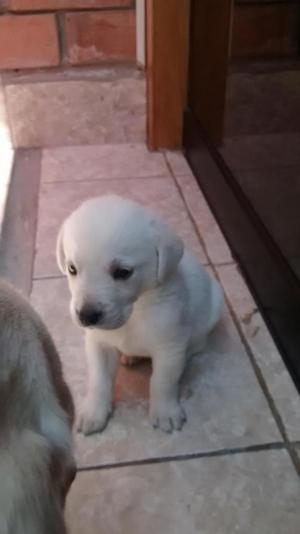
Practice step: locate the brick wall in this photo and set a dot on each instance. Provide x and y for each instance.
(47, 33)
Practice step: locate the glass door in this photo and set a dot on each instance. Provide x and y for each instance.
(242, 138)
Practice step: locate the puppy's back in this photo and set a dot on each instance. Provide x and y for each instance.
(36, 413)
(29, 502)
(29, 363)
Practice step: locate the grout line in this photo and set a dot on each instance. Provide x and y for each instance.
(135, 144)
(225, 263)
(65, 72)
(274, 446)
(36, 222)
(61, 34)
(41, 278)
(262, 382)
(258, 373)
(69, 10)
(107, 179)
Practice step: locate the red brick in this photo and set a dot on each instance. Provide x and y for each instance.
(28, 41)
(102, 36)
(44, 5)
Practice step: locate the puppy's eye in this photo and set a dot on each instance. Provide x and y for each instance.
(121, 273)
(72, 269)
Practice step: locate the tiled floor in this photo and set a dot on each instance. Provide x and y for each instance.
(233, 468)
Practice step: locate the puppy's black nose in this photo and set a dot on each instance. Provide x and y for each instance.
(89, 316)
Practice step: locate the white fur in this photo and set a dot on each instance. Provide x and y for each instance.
(165, 310)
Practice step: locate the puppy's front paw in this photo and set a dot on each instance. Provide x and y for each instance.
(93, 419)
(167, 416)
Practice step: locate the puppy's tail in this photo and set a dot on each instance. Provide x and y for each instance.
(29, 503)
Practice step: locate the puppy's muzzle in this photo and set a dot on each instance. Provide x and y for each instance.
(89, 315)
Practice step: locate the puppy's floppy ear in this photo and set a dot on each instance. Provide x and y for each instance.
(169, 249)
(60, 254)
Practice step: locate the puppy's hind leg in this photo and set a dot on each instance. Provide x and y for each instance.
(102, 364)
(165, 410)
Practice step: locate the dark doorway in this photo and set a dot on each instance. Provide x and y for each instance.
(242, 139)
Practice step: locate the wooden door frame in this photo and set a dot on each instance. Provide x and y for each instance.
(167, 50)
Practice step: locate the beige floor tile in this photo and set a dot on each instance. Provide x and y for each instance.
(58, 200)
(273, 369)
(215, 243)
(247, 493)
(178, 163)
(106, 161)
(222, 398)
(77, 112)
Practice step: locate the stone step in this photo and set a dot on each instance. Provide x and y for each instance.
(75, 106)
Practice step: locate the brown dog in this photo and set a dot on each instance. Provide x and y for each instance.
(36, 416)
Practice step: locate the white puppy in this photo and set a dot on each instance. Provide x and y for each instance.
(136, 291)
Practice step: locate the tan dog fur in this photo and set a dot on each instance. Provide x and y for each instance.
(36, 416)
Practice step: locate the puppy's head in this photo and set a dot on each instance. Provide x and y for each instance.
(112, 250)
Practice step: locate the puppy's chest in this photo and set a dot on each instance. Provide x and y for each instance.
(130, 340)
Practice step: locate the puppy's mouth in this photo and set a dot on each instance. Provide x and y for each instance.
(102, 321)
(110, 325)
